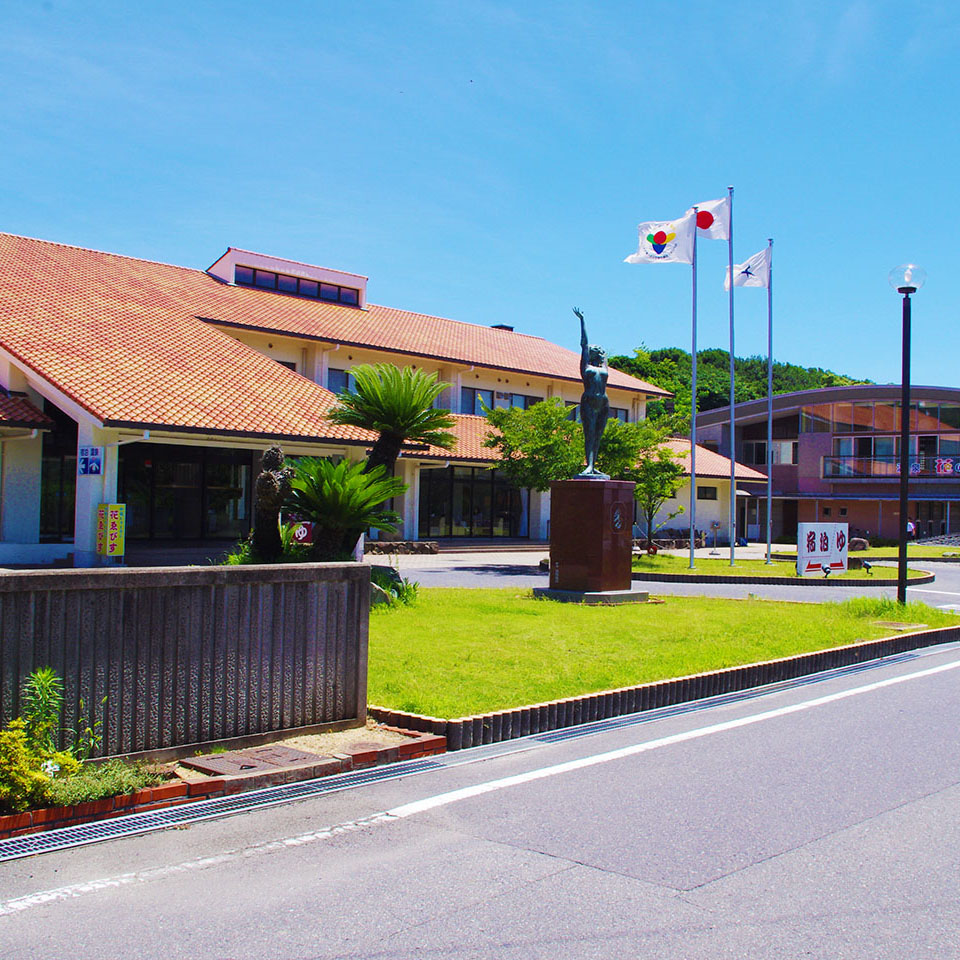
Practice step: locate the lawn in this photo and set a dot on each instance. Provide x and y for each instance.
(464, 651)
(720, 566)
(914, 551)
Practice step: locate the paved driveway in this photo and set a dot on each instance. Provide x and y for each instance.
(520, 569)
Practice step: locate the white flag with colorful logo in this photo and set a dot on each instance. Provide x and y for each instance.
(665, 241)
(713, 219)
(755, 272)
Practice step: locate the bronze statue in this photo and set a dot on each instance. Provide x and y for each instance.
(594, 405)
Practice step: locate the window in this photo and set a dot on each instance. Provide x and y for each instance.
(706, 493)
(285, 283)
(815, 419)
(289, 364)
(827, 511)
(474, 401)
(619, 413)
(337, 380)
(523, 402)
(843, 511)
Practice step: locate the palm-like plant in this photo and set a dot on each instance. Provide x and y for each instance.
(342, 500)
(398, 405)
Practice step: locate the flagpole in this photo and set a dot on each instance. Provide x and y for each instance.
(693, 400)
(732, 523)
(769, 399)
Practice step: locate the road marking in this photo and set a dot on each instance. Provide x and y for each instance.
(19, 904)
(941, 593)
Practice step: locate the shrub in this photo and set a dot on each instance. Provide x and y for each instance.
(26, 774)
(96, 781)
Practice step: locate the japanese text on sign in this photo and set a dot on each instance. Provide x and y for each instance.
(820, 547)
(111, 529)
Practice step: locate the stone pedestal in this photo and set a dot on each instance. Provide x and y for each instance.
(591, 535)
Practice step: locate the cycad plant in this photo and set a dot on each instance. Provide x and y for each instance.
(342, 500)
(398, 405)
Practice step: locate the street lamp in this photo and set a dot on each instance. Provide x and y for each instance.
(906, 279)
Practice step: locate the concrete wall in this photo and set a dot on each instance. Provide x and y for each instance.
(189, 655)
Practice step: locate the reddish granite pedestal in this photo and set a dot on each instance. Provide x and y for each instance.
(591, 535)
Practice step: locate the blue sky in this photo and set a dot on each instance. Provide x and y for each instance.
(490, 161)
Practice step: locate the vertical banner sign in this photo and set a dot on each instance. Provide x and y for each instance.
(111, 529)
(90, 461)
(821, 547)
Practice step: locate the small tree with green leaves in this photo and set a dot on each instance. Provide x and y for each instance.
(536, 446)
(398, 405)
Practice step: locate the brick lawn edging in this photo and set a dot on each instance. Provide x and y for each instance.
(805, 581)
(182, 791)
(498, 725)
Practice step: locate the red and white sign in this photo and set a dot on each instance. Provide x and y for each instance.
(821, 546)
(303, 532)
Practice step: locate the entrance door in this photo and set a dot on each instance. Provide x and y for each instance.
(931, 518)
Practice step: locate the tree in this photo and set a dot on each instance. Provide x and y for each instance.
(536, 446)
(658, 476)
(543, 444)
(342, 500)
(398, 405)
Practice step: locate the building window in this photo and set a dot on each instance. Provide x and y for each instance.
(619, 413)
(843, 511)
(338, 381)
(299, 286)
(289, 364)
(706, 493)
(475, 401)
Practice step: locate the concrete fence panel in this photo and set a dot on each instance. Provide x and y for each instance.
(173, 656)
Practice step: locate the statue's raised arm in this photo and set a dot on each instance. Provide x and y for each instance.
(584, 354)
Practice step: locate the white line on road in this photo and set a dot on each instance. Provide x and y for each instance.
(942, 593)
(72, 891)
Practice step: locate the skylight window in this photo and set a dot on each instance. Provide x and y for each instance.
(285, 283)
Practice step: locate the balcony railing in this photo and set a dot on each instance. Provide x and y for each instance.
(888, 468)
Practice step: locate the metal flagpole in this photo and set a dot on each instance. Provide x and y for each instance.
(732, 524)
(693, 402)
(769, 398)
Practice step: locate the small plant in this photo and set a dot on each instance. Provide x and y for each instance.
(89, 735)
(41, 701)
(27, 775)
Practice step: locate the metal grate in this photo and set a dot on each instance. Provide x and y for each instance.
(137, 823)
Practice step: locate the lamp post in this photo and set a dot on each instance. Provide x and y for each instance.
(906, 279)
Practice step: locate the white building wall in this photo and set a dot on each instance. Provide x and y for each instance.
(20, 462)
(707, 511)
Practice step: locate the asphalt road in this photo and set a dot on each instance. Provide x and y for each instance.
(815, 821)
(519, 569)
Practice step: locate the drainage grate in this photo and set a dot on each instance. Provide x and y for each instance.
(694, 706)
(137, 823)
(187, 813)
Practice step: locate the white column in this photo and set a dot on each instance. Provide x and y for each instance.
(91, 492)
(539, 515)
(411, 500)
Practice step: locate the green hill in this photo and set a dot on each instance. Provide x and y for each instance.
(670, 368)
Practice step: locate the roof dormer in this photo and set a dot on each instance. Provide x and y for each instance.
(247, 269)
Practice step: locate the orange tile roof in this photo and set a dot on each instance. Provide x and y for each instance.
(710, 464)
(18, 411)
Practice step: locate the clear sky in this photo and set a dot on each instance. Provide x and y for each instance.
(490, 161)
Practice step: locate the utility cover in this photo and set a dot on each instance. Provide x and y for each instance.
(270, 757)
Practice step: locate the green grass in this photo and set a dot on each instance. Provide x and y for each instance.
(914, 551)
(464, 651)
(720, 566)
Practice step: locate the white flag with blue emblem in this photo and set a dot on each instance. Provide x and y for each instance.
(665, 241)
(754, 272)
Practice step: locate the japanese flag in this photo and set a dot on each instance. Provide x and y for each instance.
(664, 241)
(755, 272)
(713, 219)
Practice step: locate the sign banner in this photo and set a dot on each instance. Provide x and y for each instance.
(303, 532)
(820, 547)
(111, 529)
(89, 461)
